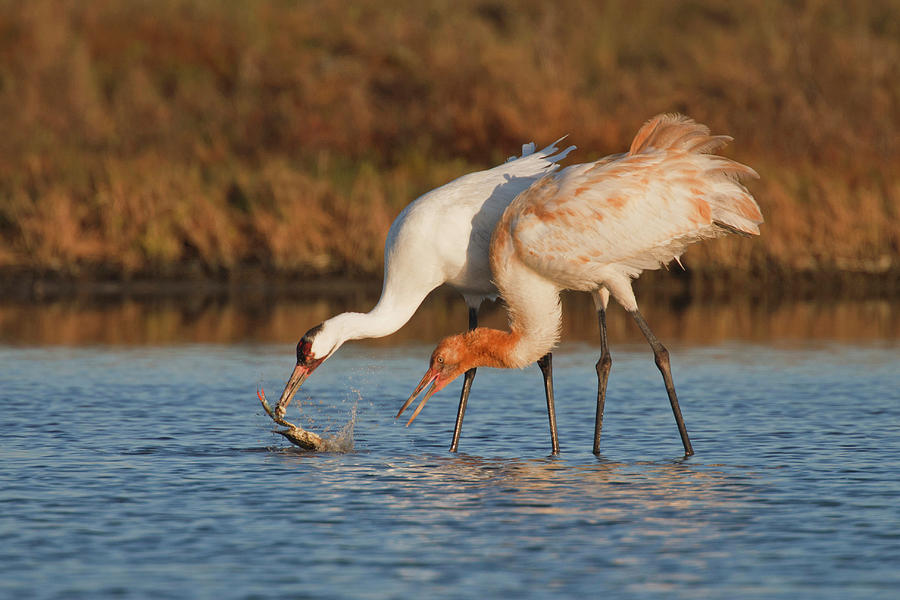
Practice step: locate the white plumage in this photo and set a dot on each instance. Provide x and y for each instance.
(441, 237)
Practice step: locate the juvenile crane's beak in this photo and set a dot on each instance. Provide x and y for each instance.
(433, 377)
(301, 372)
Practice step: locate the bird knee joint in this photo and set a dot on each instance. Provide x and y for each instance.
(662, 358)
(605, 363)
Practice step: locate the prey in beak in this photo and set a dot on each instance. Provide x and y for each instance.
(299, 375)
(294, 433)
(306, 364)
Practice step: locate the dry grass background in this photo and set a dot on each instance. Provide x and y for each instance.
(173, 138)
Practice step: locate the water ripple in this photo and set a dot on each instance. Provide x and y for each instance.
(152, 473)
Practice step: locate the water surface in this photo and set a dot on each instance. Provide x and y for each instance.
(150, 471)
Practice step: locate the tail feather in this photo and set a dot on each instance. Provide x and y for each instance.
(707, 144)
(545, 153)
(736, 212)
(733, 169)
(676, 132)
(672, 132)
(732, 208)
(527, 150)
(550, 152)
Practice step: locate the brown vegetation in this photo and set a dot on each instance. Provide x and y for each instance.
(174, 137)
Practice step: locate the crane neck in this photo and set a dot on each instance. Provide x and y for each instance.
(512, 349)
(359, 326)
(384, 319)
(491, 348)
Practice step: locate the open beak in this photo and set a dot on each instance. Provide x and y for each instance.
(301, 372)
(431, 376)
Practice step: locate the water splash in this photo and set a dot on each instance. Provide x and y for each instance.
(339, 442)
(342, 441)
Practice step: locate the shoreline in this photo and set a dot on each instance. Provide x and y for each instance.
(675, 285)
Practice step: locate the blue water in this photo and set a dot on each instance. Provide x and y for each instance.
(151, 472)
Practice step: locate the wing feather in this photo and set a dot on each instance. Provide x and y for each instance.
(635, 211)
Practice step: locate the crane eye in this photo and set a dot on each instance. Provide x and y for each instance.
(440, 359)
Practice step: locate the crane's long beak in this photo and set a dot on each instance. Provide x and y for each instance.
(431, 376)
(301, 372)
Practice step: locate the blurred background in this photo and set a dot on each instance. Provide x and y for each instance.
(263, 148)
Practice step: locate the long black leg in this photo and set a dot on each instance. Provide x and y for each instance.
(466, 388)
(546, 365)
(603, 367)
(662, 361)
